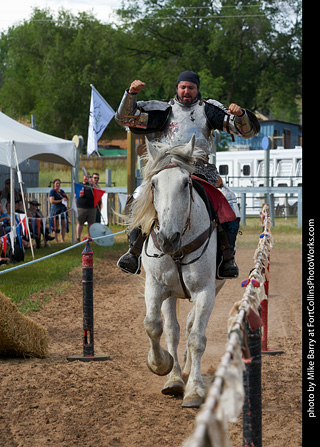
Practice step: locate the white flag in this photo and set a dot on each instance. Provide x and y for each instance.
(100, 116)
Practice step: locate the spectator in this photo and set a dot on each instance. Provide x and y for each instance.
(4, 221)
(59, 202)
(19, 206)
(19, 210)
(34, 212)
(3, 256)
(95, 181)
(5, 193)
(85, 205)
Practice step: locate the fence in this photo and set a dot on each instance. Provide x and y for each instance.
(245, 196)
(226, 395)
(268, 194)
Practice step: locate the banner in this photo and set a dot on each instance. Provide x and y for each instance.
(100, 116)
(97, 194)
(77, 189)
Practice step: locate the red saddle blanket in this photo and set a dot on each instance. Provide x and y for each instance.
(219, 202)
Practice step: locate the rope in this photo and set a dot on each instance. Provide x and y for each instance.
(58, 252)
(216, 410)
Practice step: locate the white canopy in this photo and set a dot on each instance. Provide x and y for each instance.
(30, 143)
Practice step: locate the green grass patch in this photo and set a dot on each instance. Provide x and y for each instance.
(118, 174)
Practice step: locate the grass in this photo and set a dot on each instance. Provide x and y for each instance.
(50, 277)
(118, 175)
(286, 233)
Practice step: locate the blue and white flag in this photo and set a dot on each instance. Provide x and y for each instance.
(100, 116)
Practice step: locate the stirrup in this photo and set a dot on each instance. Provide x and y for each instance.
(223, 275)
(125, 268)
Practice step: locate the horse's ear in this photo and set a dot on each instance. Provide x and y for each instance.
(152, 150)
(190, 146)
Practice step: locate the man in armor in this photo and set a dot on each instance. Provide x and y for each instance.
(174, 122)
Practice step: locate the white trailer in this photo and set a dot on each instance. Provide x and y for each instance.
(247, 168)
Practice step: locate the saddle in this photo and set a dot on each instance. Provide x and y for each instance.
(217, 205)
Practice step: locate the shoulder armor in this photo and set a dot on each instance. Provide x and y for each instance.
(215, 113)
(157, 120)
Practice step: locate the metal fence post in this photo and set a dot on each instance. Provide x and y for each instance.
(243, 208)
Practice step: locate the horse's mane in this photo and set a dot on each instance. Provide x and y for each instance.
(143, 212)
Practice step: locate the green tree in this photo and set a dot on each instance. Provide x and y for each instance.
(247, 49)
(48, 66)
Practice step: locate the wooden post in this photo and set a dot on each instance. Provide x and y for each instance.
(131, 162)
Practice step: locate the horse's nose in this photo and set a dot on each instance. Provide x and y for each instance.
(169, 244)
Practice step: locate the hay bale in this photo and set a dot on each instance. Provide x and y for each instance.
(19, 334)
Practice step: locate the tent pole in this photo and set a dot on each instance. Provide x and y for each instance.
(12, 209)
(71, 201)
(23, 201)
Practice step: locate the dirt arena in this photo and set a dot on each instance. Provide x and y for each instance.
(53, 402)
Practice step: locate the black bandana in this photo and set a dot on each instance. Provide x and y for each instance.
(189, 76)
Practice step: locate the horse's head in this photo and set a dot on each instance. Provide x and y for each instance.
(171, 187)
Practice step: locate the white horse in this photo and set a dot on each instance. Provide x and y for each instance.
(179, 259)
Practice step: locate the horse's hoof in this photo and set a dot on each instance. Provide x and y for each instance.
(192, 402)
(162, 370)
(175, 388)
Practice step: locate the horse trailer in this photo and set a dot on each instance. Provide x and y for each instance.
(247, 169)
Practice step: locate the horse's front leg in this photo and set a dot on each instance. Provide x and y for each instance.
(159, 361)
(174, 385)
(195, 390)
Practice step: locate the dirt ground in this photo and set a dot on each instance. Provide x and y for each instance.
(118, 402)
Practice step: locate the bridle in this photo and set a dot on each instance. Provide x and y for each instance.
(187, 224)
(203, 238)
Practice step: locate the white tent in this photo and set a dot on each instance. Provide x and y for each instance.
(30, 143)
(19, 143)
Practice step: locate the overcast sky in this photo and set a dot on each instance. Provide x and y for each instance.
(13, 12)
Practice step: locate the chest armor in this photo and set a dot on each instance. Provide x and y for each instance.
(183, 122)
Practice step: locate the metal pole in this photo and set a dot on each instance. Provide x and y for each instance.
(88, 331)
(243, 208)
(22, 195)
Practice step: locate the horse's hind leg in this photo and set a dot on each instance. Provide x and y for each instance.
(159, 361)
(174, 386)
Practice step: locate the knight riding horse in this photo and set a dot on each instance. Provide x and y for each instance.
(174, 122)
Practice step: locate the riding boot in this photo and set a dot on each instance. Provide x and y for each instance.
(130, 262)
(227, 234)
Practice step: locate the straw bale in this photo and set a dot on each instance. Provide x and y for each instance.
(19, 334)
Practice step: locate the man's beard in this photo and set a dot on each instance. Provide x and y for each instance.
(187, 100)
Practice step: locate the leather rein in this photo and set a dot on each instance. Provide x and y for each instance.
(203, 238)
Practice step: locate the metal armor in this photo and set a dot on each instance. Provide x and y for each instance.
(177, 122)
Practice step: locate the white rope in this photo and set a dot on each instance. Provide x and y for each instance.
(216, 411)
